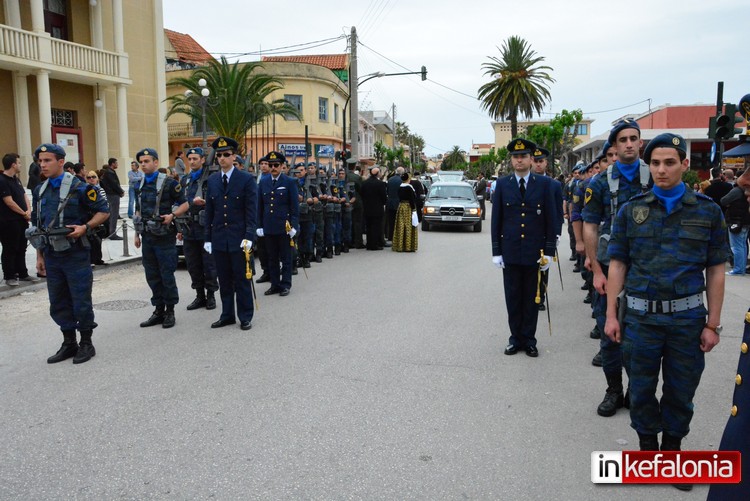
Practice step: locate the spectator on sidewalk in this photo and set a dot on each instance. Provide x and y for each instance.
(99, 232)
(15, 214)
(179, 165)
(35, 175)
(135, 176)
(110, 183)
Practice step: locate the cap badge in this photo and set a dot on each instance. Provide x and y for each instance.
(222, 143)
(519, 145)
(676, 141)
(43, 148)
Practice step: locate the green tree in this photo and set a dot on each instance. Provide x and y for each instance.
(238, 100)
(454, 159)
(560, 135)
(518, 85)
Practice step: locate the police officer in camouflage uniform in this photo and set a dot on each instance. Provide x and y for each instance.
(627, 177)
(60, 214)
(662, 242)
(306, 228)
(200, 264)
(156, 197)
(346, 189)
(331, 200)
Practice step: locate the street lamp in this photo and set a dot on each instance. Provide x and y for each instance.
(360, 81)
(202, 101)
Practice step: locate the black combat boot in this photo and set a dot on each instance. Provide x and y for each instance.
(648, 442)
(210, 300)
(86, 349)
(68, 349)
(156, 318)
(199, 301)
(337, 250)
(597, 360)
(169, 320)
(573, 255)
(672, 443)
(318, 257)
(294, 269)
(595, 333)
(329, 252)
(345, 248)
(588, 298)
(613, 398)
(304, 260)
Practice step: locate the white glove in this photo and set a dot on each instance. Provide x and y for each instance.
(259, 232)
(498, 261)
(291, 233)
(544, 266)
(557, 241)
(246, 244)
(207, 247)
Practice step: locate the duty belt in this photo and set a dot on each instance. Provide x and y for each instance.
(670, 306)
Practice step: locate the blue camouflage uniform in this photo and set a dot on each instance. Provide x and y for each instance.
(306, 226)
(347, 191)
(666, 255)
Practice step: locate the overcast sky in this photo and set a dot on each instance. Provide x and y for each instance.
(605, 55)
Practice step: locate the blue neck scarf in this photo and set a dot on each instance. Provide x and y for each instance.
(628, 170)
(671, 196)
(55, 181)
(196, 174)
(149, 178)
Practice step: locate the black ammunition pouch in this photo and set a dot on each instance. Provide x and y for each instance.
(138, 225)
(58, 239)
(155, 227)
(183, 223)
(201, 220)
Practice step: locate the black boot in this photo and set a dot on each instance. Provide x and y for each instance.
(588, 298)
(671, 443)
(345, 248)
(595, 333)
(318, 257)
(86, 349)
(337, 250)
(199, 301)
(294, 270)
(304, 261)
(156, 318)
(597, 360)
(329, 252)
(169, 320)
(210, 300)
(648, 442)
(613, 398)
(68, 349)
(573, 255)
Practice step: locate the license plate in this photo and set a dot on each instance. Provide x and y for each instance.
(451, 218)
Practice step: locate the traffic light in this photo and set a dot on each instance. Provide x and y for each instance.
(712, 128)
(424, 73)
(725, 128)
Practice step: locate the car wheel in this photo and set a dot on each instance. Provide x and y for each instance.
(425, 225)
(478, 227)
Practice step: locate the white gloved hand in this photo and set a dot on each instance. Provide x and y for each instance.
(544, 266)
(557, 242)
(498, 261)
(246, 244)
(207, 247)
(291, 233)
(259, 232)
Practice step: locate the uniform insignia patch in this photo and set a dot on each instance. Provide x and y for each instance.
(43, 148)
(576, 198)
(589, 194)
(222, 143)
(519, 145)
(92, 195)
(676, 141)
(640, 214)
(178, 187)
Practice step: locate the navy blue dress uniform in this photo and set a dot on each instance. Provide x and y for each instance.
(231, 218)
(57, 203)
(156, 197)
(260, 243)
(736, 435)
(666, 239)
(608, 190)
(524, 223)
(278, 206)
(200, 264)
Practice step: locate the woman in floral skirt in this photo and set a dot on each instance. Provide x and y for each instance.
(405, 237)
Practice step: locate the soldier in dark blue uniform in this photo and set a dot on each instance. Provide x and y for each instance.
(319, 208)
(278, 222)
(627, 177)
(524, 226)
(306, 228)
(346, 189)
(230, 229)
(260, 243)
(156, 197)
(200, 264)
(60, 214)
(662, 243)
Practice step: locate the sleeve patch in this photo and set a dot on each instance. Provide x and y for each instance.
(92, 194)
(589, 194)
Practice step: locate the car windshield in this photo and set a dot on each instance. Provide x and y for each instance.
(462, 192)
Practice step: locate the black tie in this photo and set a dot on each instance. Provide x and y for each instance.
(274, 182)
(522, 186)
(225, 181)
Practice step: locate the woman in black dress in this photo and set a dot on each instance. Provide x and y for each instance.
(405, 230)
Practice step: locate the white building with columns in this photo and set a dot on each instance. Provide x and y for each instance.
(86, 74)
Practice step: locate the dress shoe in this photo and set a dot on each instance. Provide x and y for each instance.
(210, 300)
(295, 271)
(585, 287)
(115, 237)
(597, 360)
(337, 250)
(246, 325)
(329, 253)
(272, 291)
(532, 351)
(66, 351)
(169, 320)
(345, 249)
(577, 268)
(541, 307)
(198, 302)
(265, 277)
(587, 299)
(510, 350)
(85, 352)
(222, 322)
(284, 292)
(573, 257)
(156, 318)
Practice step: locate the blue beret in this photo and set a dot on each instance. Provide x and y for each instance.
(276, 156)
(520, 146)
(147, 151)
(666, 140)
(578, 167)
(628, 123)
(223, 143)
(196, 151)
(239, 159)
(607, 145)
(55, 149)
(263, 159)
(540, 153)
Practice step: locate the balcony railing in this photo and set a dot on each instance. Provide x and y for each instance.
(40, 51)
(185, 130)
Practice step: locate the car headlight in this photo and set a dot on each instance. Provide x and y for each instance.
(473, 212)
(431, 210)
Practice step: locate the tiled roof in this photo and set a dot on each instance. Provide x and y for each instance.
(186, 48)
(330, 61)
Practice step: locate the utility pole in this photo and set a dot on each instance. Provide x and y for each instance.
(354, 108)
(393, 119)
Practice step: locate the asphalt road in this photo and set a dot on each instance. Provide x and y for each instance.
(380, 377)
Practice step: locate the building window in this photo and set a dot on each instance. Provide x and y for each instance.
(296, 101)
(335, 113)
(323, 109)
(56, 18)
(64, 118)
(582, 129)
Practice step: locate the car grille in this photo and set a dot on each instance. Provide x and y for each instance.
(451, 211)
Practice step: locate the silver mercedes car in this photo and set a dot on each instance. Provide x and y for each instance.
(451, 204)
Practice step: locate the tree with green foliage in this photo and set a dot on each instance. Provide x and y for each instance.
(560, 135)
(518, 86)
(238, 100)
(454, 159)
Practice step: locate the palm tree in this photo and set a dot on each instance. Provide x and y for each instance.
(238, 98)
(454, 158)
(518, 85)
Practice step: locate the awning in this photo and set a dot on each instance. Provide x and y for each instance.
(741, 150)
